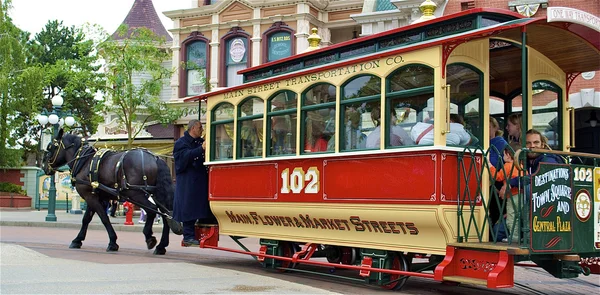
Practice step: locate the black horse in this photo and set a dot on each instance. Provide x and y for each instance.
(137, 176)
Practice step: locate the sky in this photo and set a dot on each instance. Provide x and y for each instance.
(33, 15)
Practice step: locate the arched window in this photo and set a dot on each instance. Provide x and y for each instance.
(318, 117)
(278, 42)
(282, 120)
(466, 88)
(222, 132)
(361, 100)
(193, 74)
(409, 99)
(250, 128)
(235, 56)
(546, 118)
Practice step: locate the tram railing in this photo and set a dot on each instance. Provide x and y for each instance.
(490, 197)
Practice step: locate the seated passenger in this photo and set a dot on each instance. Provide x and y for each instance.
(422, 132)
(395, 129)
(355, 139)
(317, 136)
(398, 136)
(457, 126)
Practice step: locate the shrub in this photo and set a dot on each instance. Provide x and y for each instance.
(11, 188)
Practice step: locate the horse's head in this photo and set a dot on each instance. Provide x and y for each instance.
(56, 152)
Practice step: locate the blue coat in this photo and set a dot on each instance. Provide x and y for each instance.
(497, 145)
(191, 193)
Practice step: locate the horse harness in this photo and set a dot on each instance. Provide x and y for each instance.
(120, 178)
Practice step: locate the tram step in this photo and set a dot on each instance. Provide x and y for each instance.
(466, 280)
(493, 268)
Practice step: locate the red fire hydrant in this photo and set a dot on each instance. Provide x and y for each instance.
(129, 215)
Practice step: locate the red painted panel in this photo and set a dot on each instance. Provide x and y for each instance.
(402, 176)
(244, 181)
(454, 172)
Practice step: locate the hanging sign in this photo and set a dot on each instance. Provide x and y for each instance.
(237, 50)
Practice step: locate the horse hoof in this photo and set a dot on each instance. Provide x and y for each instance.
(75, 245)
(160, 251)
(151, 242)
(112, 248)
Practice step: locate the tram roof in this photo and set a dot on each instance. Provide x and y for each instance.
(573, 47)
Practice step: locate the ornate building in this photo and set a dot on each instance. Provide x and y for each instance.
(215, 39)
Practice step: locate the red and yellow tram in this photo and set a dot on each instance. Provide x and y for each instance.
(351, 152)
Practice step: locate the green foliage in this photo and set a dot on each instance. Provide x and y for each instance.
(135, 72)
(72, 70)
(20, 85)
(11, 188)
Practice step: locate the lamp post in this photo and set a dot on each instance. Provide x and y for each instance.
(55, 119)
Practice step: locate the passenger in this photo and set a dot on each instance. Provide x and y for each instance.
(422, 132)
(504, 174)
(533, 140)
(457, 127)
(513, 127)
(191, 193)
(397, 130)
(355, 139)
(316, 137)
(374, 138)
(281, 127)
(497, 144)
(251, 138)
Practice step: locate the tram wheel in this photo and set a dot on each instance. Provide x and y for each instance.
(397, 261)
(348, 255)
(286, 249)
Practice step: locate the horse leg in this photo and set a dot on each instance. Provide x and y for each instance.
(85, 221)
(112, 236)
(150, 239)
(164, 239)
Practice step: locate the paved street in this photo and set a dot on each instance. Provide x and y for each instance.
(35, 259)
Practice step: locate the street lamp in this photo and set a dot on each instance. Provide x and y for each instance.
(54, 118)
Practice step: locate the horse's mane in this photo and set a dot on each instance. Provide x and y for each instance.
(71, 138)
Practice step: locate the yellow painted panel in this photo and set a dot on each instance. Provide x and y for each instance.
(415, 228)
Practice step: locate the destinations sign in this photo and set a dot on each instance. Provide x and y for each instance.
(551, 209)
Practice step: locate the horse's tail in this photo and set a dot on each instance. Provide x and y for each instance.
(164, 184)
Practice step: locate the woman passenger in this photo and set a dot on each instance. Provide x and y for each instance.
(497, 144)
(513, 127)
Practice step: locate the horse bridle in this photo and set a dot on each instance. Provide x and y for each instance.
(59, 144)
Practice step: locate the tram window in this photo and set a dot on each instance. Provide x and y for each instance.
(546, 118)
(282, 119)
(222, 132)
(409, 97)
(360, 96)
(250, 124)
(465, 91)
(318, 112)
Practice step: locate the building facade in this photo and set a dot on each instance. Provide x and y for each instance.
(215, 39)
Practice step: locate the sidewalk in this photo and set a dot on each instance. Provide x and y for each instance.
(34, 218)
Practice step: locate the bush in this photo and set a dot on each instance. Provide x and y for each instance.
(11, 188)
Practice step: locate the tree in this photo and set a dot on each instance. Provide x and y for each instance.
(135, 75)
(20, 86)
(72, 70)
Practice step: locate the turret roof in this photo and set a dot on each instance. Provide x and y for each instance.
(143, 14)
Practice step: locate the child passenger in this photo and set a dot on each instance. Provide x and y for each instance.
(505, 174)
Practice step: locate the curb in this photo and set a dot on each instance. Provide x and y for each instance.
(117, 227)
